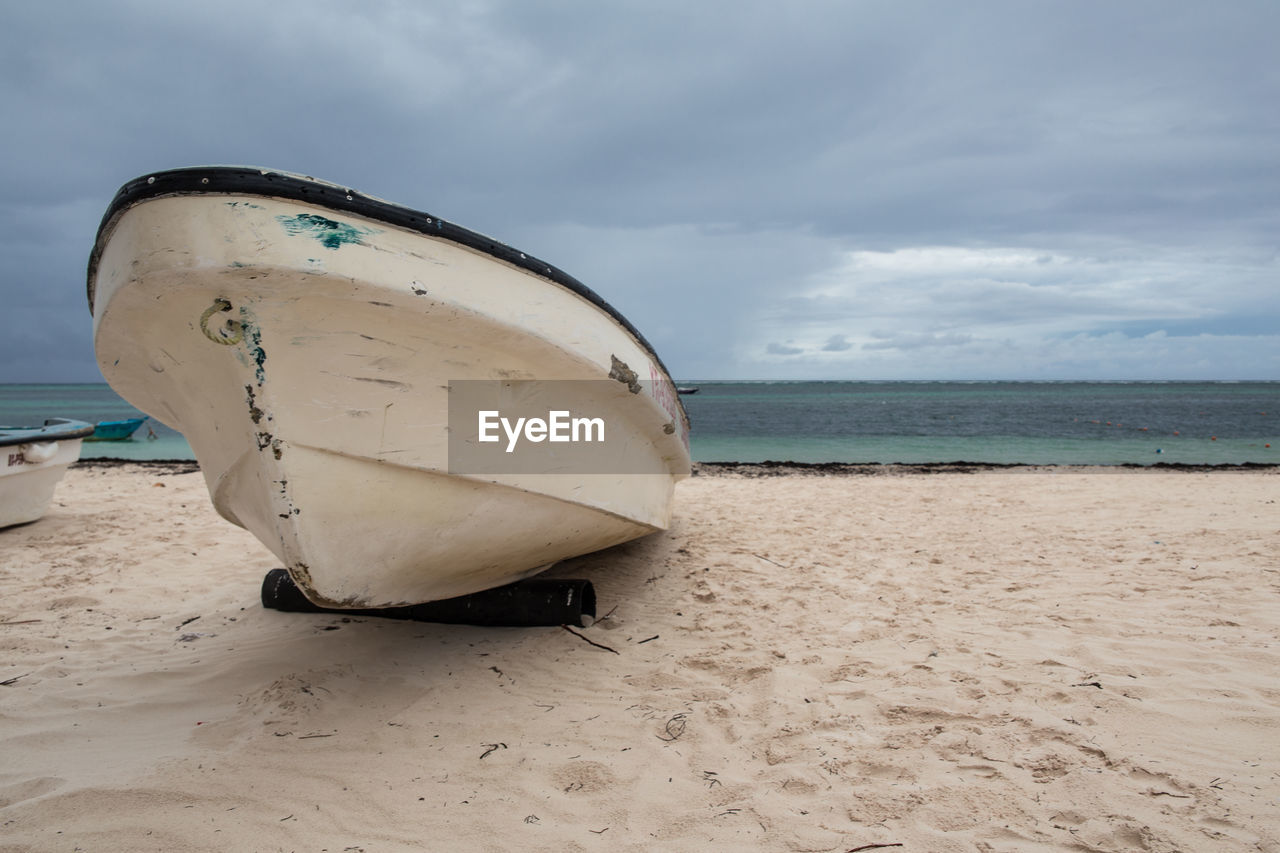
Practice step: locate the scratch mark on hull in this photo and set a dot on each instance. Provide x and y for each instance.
(386, 383)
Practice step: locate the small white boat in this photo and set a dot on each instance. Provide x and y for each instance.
(313, 343)
(35, 458)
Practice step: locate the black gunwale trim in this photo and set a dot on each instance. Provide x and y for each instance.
(268, 183)
(69, 429)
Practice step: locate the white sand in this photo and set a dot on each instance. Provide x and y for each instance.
(999, 661)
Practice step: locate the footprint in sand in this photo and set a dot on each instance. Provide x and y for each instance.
(28, 790)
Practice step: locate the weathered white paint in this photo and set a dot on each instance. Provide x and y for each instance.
(28, 475)
(311, 382)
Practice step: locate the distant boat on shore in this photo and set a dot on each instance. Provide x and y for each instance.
(305, 339)
(35, 458)
(116, 430)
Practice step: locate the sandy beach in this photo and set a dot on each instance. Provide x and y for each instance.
(984, 660)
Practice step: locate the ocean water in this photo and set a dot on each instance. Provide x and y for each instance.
(30, 405)
(1041, 423)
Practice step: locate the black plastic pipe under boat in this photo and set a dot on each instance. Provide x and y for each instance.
(523, 604)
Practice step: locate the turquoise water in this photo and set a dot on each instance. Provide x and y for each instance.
(1043, 423)
(998, 450)
(28, 405)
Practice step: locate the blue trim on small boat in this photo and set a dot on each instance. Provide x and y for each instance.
(115, 430)
(54, 429)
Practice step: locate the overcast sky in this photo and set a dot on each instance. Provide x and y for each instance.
(845, 190)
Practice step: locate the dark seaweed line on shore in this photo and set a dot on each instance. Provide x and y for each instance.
(772, 468)
(158, 466)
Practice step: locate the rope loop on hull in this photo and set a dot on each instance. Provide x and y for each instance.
(230, 334)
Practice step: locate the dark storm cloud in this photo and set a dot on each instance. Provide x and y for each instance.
(724, 174)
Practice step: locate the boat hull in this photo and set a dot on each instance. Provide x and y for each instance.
(34, 461)
(307, 356)
(115, 430)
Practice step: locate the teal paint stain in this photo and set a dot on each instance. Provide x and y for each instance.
(331, 233)
(253, 339)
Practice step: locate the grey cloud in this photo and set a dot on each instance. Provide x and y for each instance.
(893, 341)
(837, 343)
(702, 166)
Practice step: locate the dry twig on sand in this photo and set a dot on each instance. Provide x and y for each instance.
(592, 642)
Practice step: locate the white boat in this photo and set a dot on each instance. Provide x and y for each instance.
(35, 458)
(309, 342)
